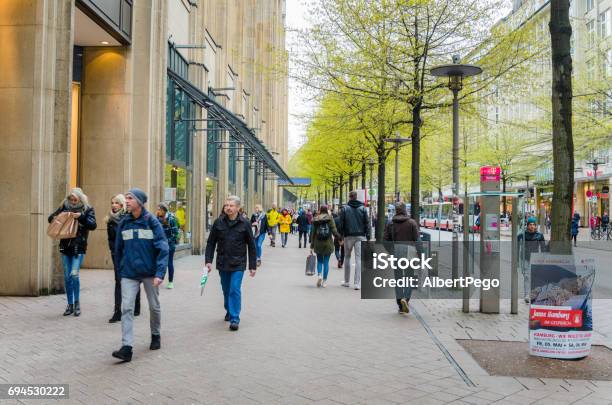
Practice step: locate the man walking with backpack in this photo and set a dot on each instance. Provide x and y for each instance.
(355, 228)
(141, 251)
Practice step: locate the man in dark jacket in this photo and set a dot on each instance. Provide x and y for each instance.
(355, 228)
(533, 243)
(141, 249)
(231, 234)
(303, 227)
(402, 228)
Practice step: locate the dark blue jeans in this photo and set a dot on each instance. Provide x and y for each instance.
(171, 265)
(72, 283)
(231, 283)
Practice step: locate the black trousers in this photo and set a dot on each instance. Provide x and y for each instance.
(303, 234)
(118, 290)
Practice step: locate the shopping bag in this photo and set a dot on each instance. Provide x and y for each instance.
(63, 226)
(311, 262)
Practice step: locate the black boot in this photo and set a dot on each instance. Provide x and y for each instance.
(69, 310)
(116, 317)
(77, 308)
(125, 353)
(155, 342)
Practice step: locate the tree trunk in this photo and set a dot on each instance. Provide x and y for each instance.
(562, 142)
(380, 202)
(363, 175)
(416, 161)
(340, 186)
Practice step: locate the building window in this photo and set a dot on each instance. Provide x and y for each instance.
(603, 24)
(177, 63)
(212, 149)
(177, 194)
(590, 70)
(589, 5)
(608, 64)
(590, 26)
(245, 171)
(231, 167)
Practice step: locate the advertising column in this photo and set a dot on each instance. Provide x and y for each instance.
(560, 315)
(489, 237)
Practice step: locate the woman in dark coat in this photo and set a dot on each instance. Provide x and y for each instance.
(112, 220)
(73, 250)
(322, 243)
(402, 228)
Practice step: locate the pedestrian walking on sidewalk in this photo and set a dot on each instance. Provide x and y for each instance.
(322, 243)
(533, 243)
(259, 225)
(169, 223)
(231, 235)
(73, 249)
(355, 228)
(309, 217)
(141, 250)
(273, 216)
(303, 225)
(112, 221)
(575, 227)
(338, 247)
(402, 228)
(285, 226)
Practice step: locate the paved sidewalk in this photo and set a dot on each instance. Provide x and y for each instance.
(297, 344)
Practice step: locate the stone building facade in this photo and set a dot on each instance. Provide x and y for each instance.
(185, 99)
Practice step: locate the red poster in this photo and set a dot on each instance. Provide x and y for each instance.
(560, 318)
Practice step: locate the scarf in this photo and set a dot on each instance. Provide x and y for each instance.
(115, 216)
(78, 207)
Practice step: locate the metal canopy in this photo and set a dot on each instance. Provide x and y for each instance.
(230, 122)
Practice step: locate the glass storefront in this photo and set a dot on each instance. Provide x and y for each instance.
(178, 174)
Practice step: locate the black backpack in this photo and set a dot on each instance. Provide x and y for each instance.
(324, 231)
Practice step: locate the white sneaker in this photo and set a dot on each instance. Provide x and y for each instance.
(346, 284)
(357, 287)
(324, 285)
(319, 281)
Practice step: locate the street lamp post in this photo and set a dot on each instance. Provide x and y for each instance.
(595, 165)
(371, 165)
(455, 73)
(397, 141)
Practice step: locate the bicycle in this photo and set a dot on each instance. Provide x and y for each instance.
(596, 233)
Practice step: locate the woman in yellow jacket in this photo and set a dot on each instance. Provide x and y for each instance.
(285, 225)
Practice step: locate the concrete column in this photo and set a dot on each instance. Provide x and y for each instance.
(36, 66)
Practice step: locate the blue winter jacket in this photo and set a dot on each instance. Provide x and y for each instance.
(141, 247)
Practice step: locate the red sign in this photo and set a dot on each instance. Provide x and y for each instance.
(560, 318)
(490, 174)
(589, 193)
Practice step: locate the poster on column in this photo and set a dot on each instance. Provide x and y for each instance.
(560, 314)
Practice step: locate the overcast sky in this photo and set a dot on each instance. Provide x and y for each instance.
(297, 11)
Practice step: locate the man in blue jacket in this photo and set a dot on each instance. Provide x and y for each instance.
(141, 249)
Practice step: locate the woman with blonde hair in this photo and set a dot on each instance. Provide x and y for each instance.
(73, 250)
(112, 220)
(259, 224)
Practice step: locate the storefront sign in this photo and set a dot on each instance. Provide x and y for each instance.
(560, 315)
(490, 174)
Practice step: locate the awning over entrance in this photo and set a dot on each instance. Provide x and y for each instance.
(296, 182)
(230, 122)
